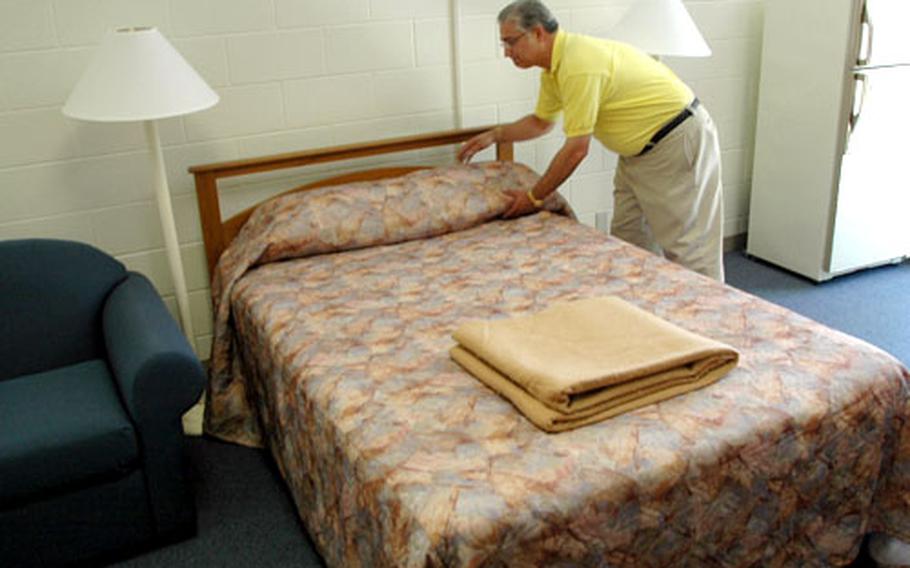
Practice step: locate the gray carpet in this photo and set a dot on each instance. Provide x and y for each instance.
(247, 518)
(246, 515)
(870, 304)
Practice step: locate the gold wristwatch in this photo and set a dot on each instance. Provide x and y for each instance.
(534, 201)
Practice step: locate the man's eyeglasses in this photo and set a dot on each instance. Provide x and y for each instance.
(509, 42)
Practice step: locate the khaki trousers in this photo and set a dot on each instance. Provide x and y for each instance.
(670, 200)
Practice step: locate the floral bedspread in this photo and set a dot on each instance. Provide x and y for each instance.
(395, 456)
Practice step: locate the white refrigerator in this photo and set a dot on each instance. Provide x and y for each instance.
(831, 170)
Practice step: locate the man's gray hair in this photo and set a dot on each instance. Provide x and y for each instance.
(528, 13)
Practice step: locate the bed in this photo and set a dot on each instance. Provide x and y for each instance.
(334, 307)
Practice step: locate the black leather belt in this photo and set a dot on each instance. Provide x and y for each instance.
(668, 127)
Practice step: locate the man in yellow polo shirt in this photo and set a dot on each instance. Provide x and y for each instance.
(667, 188)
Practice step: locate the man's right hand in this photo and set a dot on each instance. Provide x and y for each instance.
(476, 144)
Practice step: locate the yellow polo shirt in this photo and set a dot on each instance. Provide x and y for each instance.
(610, 90)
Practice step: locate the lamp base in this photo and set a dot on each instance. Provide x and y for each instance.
(192, 420)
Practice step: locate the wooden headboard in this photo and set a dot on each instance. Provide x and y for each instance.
(217, 233)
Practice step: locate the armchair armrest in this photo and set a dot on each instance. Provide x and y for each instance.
(159, 378)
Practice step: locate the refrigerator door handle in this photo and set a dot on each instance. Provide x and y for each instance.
(866, 31)
(860, 88)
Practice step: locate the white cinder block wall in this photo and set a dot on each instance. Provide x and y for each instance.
(296, 74)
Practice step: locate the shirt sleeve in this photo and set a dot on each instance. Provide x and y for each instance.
(581, 102)
(548, 104)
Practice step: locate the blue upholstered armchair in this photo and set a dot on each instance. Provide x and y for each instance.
(94, 378)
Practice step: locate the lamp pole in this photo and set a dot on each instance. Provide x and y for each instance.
(168, 227)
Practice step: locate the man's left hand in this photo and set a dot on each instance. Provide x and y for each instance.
(520, 205)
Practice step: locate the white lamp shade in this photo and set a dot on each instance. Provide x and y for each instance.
(661, 27)
(137, 75)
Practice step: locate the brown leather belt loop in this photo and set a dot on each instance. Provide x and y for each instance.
(668, 127)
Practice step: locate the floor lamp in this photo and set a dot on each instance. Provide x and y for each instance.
(136, 75)
(661, 27)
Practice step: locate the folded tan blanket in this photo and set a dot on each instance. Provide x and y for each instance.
(580, 362)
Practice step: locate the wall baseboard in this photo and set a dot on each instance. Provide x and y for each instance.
(735, 242)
